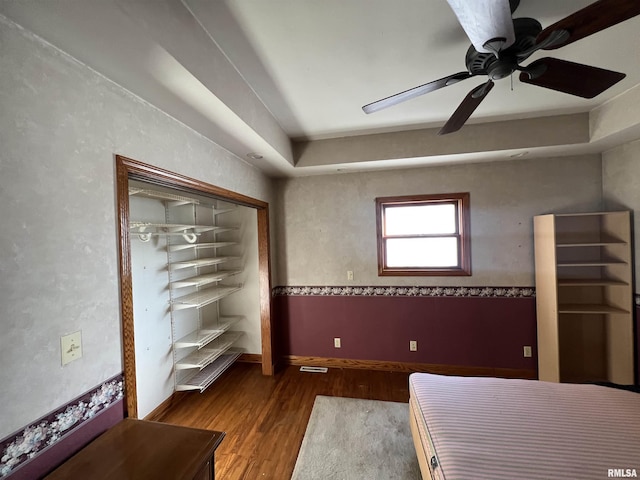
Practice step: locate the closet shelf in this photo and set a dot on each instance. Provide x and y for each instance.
(202, 262)
(146, 230)
(583, 282)
(585, 214)
(599, 243)
(589, 308)
(201, 280)
(591, 263)
(164, 228)
(199, 246)
(173, 198)
(205, 377)
(203, 357)
(206, 335)
(204, 297)
(220, 211)
(198, 339)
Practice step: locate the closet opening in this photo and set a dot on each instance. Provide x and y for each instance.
(195, 284)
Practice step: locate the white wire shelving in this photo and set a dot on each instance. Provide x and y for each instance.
(204, 297)
(202, 262)
(204, 336)
(204, 356)
(205, 279)
(202, 379)
(145, 230)
(196, 266)
(200, 246)
(175, 200)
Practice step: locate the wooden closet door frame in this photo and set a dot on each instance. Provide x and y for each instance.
(126, 169)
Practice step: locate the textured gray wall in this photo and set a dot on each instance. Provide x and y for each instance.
(326, 224)
(60, 126)
(621, 186)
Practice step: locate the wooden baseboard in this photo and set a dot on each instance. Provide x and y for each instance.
(250, 358)
(161, 409)
(411, 367)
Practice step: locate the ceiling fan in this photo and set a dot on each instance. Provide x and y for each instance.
(500, 44)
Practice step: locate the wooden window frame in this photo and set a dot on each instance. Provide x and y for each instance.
(463, 233)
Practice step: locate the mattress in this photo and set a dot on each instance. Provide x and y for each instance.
(506, 429)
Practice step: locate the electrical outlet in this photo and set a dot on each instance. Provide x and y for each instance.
(71, 347)
(526, 351)
(349, 274)
(413, 346)
(336, 342)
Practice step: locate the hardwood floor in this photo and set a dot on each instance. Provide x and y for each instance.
(265, 417)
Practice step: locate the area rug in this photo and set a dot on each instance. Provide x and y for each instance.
(352, 439)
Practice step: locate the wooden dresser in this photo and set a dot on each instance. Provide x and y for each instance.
(138, 449)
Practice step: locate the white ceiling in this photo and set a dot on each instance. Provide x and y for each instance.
(323, 60)
(254, 74)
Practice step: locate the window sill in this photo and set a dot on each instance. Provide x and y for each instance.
(423, 272)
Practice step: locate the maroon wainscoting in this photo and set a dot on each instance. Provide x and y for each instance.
(55, 455)
(38, 448)
(464, 331)
(638, 344)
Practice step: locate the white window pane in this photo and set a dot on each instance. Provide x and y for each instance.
(422, 252)
(420, 219)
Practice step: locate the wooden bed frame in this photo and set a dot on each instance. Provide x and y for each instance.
(422, 451)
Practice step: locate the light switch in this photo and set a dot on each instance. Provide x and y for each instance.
(71, 347)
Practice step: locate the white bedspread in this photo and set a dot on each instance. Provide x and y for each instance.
(492, 428)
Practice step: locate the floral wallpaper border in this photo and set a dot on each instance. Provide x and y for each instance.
(28, 442)
(366, 291)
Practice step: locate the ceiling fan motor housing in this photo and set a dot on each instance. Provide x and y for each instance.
(507, 61)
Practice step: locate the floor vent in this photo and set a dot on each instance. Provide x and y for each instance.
(314, 369)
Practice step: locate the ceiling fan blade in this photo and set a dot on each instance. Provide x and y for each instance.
(568, 77)
(486, 22)
(415, 92)
(466, 108)
(591, 19)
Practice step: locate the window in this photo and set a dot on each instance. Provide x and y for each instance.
(424, 235)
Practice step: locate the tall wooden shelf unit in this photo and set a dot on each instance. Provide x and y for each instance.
(584, 297)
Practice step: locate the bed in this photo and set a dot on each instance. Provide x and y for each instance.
(506, 429)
